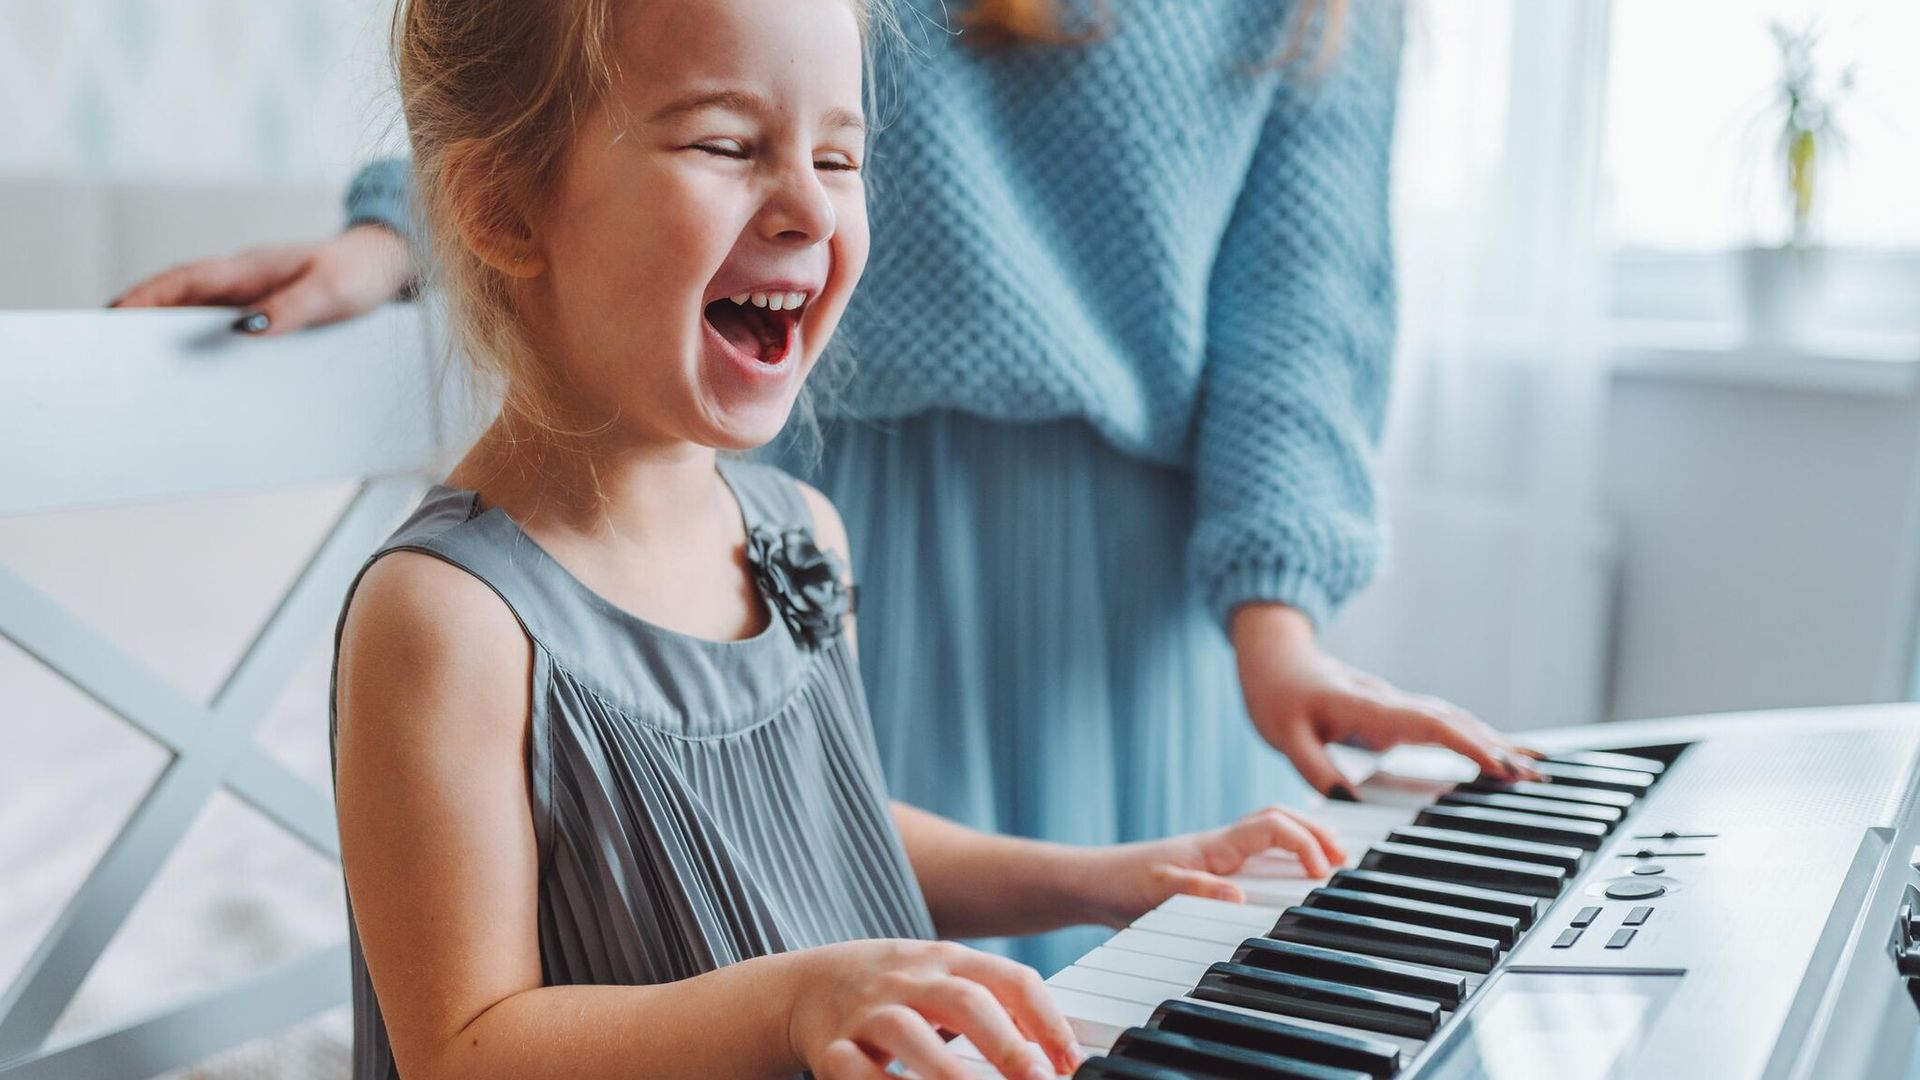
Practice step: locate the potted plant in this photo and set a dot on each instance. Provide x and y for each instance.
(1783, 282)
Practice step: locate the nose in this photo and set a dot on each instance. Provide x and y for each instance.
(797, 209)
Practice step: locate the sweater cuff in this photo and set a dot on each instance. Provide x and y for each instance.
(1289, 585)
(381, 194)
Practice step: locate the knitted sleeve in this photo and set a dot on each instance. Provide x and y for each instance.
(1300, 328)
(382, 193)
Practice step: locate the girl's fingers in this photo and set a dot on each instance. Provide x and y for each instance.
(305, 301)
(1022, 994)
(900, 1034)
(1182, 880)
(844, 1060)
(1329, 841)
(970, 1009)
(1272, 828)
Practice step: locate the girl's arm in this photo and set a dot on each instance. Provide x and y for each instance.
(983, 885)
(442, 873)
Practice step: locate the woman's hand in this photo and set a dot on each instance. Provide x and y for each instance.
(861, 1005)
(287, 288)
(1119, 884)
(1302, 699)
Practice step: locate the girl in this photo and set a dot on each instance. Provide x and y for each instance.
(608, 798)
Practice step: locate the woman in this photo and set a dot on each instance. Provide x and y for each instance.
(1123, 355)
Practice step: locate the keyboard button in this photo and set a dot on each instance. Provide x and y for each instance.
(1619, 939)
(1335, 965)
(1499, 847)
(1540, 789)
(1524, 909)
(1277, 1037)
(1637, 916)
(1501, 928)
(1605, 815)
(1206, 1058)
(1318, 999)
(1392, 939)
(1584, 917)
(1635, 890)
(1648, 869)
(1566, 939)
(1586, 835)
(1630, 781)
(1510, 875)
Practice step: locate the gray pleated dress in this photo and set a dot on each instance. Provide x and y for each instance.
(694, 802)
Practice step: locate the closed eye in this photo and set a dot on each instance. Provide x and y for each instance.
(725, 150)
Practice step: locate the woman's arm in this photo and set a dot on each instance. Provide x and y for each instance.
(287, 288)
(1300, 344)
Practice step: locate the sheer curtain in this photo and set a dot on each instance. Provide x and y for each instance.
(1495, 589)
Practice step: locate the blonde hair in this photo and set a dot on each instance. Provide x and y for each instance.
(493, 92)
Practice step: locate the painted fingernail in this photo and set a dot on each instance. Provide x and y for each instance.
(253, 322)
(1342, 793)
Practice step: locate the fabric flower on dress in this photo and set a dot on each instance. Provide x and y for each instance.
(808, 586)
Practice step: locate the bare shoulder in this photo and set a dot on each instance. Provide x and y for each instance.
(829, 531)
(425, 642)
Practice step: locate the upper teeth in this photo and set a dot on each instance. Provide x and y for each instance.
(773, 301)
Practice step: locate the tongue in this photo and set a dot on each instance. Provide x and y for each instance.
(750, 330)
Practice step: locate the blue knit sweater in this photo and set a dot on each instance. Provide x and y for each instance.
(1157, 232)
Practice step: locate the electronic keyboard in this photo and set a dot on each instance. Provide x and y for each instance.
(1710, 897)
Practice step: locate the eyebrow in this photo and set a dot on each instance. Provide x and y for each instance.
(745, 101)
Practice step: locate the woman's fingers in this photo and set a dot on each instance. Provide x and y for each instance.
(237, 280)
(1302, 746)
(1022, 995)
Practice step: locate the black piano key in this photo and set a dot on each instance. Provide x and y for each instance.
(1335, 965)
(1525, 909)
(1511, 875)
(1392, 938)
(1541, 789)
(1528, 804)
(1561, 855)
(1317, 999)
(1418, 912)
(1277, 1037)
(1205, 1058)
(1630, 781)
(1607, 759)
(1102, 1067)
(1585, 835)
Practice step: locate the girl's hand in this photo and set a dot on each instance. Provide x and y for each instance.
(861, 1005)
(1301, 699)
(1123, 882)
(287, 288)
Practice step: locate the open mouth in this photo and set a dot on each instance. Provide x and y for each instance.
(758, 325)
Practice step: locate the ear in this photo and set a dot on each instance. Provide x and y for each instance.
(487, 213)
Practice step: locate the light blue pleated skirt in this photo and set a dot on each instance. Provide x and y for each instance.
(1036, 658)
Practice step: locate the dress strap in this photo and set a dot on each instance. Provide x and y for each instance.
(767, 495)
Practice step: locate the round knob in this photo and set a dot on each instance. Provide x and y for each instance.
(1635, 890)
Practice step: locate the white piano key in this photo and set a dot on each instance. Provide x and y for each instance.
(1171, 946)
(1147, 995)
(1258, 916)
(1168, 922)
(1185, 972)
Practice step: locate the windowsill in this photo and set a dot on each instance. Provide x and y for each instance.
(1877, 364)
